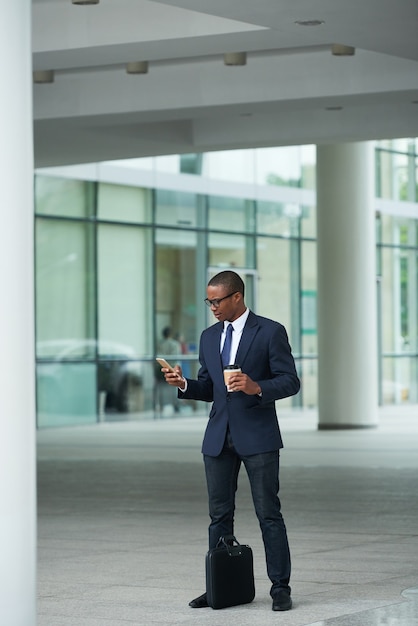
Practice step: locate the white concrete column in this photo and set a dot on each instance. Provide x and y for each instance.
(17, 404)
(347, 321)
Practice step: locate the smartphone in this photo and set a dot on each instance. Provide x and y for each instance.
(164, 363)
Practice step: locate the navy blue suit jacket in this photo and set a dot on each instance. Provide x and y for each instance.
(265, 355)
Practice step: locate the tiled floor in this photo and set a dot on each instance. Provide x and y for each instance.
(123, 525)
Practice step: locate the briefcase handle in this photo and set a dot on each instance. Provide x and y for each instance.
(228, 542)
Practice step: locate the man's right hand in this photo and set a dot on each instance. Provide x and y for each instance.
(174, 378)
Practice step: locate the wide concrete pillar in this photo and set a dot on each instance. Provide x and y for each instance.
(347, 321)
(17, 405)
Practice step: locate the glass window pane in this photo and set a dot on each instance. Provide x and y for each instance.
(175, 257)
(169, 164)
(145, 163)
(392, 175)
(123, 204)
(63, 197)
(278, 219)
(308, 373)
(64, 283)
(230, 165)
(398, 386)
(66, 393)
(191, 164)
(308, 222)
(274, 297)
(176, 208)
(119, 385)
(228, 251)
(309, 299)
(124, 289)
(387, 228)
(232, 214)
(308, 160)
(390, 329)
(279, 166)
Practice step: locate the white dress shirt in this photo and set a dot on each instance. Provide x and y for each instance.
(238, 326)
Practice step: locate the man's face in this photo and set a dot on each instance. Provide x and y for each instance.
(227, 305)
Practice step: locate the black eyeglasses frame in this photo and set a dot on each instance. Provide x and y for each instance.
(217, 301)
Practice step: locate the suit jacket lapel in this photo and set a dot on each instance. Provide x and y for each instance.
(213, 355)
(248, 334)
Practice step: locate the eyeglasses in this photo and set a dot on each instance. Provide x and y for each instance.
(217, 301)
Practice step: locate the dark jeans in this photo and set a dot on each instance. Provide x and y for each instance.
(263, 473)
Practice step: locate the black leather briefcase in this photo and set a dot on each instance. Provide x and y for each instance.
(229, 574)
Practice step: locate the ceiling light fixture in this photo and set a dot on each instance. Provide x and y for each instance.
(235, 58)
(43, 76)
(137, 67)
(309, 22)
(339, 50)
(81, 2)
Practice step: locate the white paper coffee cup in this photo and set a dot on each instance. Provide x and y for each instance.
(228, 371)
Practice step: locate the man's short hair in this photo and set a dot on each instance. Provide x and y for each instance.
(228, 279)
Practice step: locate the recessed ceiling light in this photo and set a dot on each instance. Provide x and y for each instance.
(309, 22)
(43, 76)
(339, 50)
(137, 67)
(335, 108)
(235, 58)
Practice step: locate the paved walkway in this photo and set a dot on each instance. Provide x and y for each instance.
(123, 525)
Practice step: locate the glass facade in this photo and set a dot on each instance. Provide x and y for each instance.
(397, 262)
(121, 273)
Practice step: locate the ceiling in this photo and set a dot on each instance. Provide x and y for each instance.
(291, 91)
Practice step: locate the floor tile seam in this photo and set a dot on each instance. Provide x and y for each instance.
(369, 558)
(344, 554)
(350, 615)
(373, 577)
(393, 539)
(82, 582)
(373, 604)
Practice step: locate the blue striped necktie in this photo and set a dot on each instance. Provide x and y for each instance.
(226, 350)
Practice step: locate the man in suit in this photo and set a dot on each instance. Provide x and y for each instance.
(243, 426)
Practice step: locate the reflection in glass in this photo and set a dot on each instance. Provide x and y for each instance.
(230, 251)
(120, 387)
(393, 176)
(63, 197)
(275, 279)
(275, 218)
(308, 374)
(232, 214)
(64, 283)
(66, 393)
(279, 166)
(397, 384)
(231, 165)
(175, 257)
(308, 222)
(174, 208)
(309, 299)
(123, 204)
(124, 288)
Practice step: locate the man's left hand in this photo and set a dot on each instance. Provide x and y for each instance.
(242, 382)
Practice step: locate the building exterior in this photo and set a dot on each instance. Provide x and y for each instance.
(124, 249)
(101, 272)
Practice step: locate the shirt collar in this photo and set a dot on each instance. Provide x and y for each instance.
(239, 323)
